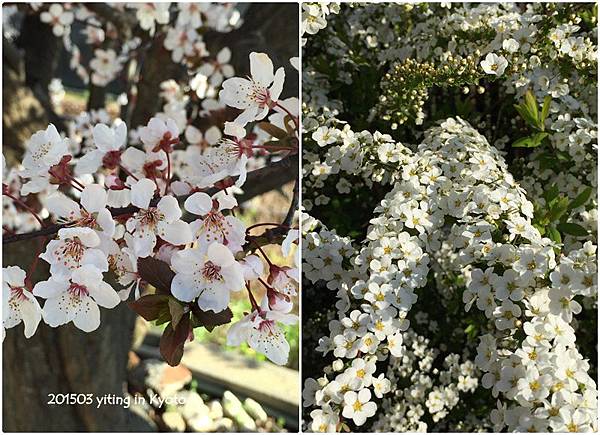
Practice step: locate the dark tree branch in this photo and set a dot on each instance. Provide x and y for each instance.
(123, 22)
(258, 181)
(289, 217)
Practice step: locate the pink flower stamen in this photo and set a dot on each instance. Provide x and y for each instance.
(211, 272)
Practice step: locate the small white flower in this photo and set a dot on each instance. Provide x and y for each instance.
(74, 248)
(109, 142)
(76, 300)
(163, 220)
(358, 407)
(494, 64)
(59, 18)
(256, 95)
(260, 330)
(19, 304)
(209, 274)
(214, 226)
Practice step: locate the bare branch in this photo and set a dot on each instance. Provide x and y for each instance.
(289, 217)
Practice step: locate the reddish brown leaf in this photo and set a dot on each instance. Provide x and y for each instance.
(149, 306)
(210, 319)
(156, 273)
(176, 310)
(172, 341)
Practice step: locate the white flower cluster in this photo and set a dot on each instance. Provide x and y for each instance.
(457, 206)
(456, 175)
(418, 383)
(120, 205)
(181, 25)
(314, 16)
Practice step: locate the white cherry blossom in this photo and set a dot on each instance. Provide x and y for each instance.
(162, 220)
(76, 299)
(19, 303)
(209, 274)
(256, 95)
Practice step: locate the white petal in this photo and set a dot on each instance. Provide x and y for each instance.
(271, 343)
(59, 310)
(235, 130)
(261, 68)
(212, 135)
(104, 137)
(14, 275)
(143, 243)
(120, 134)
(133, 159)
(224, 55)
(248, 115)
(213, 298)
(183, 288)
(220, 255)
(104, 295)
(253, 267)
(142, 192)
(60, 205)
(169, 206)
(31, 314)
(176, 233)
(89, 163)
(93, 198)
(106, 222)
(226, 201)
(234, 277)
(51, 288)
(87, 318)
(193, 135)
(277, 87)
(186, 260)
(238, 332)
(198, 203)
(96, 258)
(87, 236)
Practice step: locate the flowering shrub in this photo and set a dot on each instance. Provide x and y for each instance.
(119, 211)
(449, 185)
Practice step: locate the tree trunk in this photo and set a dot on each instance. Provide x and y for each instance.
(65, 360)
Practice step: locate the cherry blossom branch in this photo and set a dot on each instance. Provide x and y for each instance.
(258, 181)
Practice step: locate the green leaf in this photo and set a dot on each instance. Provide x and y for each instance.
(581, 199)
(546, 108)
(524, 142)
(572, 229)
(551, 193)
(526, 115)
(532, 106)
(558, 209)
(554, 235)
(537, 138)
(533, 141)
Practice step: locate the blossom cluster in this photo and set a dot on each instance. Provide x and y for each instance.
(166, 205)
(466, 288)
